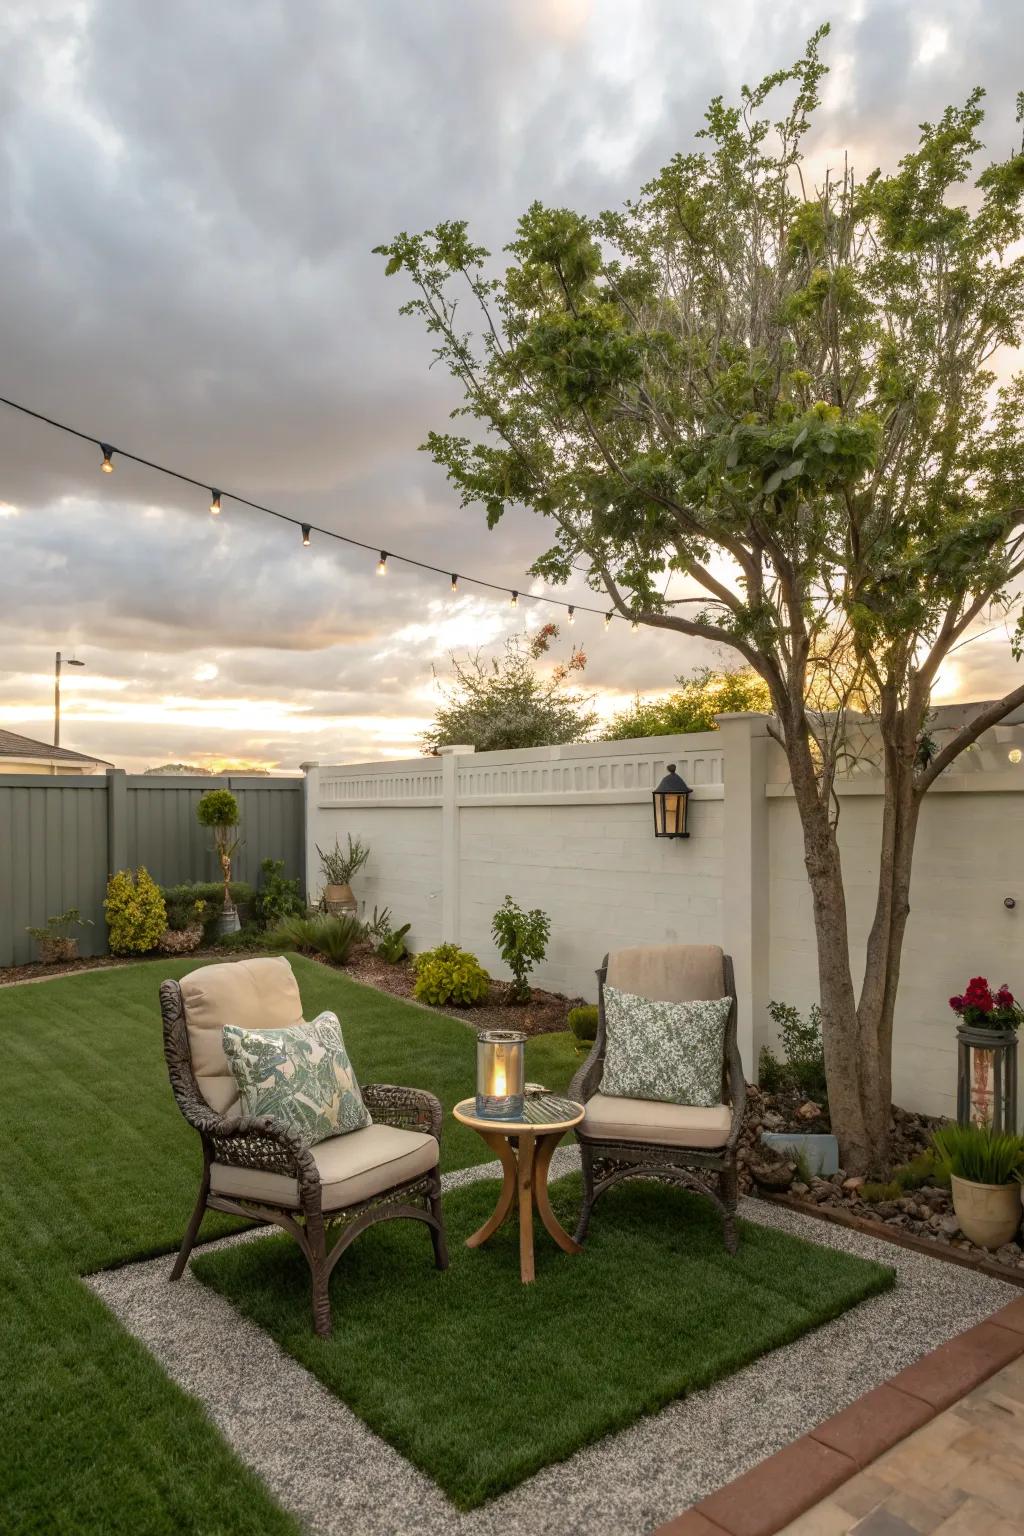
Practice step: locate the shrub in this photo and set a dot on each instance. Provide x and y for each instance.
(522, 940)
(803, 1067)
(977, 1153)
(185, 913)
(332, 937)
(583, 1022)
(250, 937)
(218, 809)
(135, 911)
(339, 867)
(448, 974)
(56, 927)
(392, 947)
(211, 893)
(278, 897)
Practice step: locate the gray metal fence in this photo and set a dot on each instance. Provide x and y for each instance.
(60, 837)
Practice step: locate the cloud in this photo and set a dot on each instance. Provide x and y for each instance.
(191, 196)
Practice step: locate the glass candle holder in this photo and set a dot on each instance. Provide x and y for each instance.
(499, 1074)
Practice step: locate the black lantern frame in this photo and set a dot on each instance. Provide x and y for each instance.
(671, 802)
(986, 1088)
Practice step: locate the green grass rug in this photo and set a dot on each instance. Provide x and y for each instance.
(481, 1381)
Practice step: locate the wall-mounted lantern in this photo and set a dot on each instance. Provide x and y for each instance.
(671, 799)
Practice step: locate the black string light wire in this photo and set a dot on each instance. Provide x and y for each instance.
(306, 527)
(217, 496)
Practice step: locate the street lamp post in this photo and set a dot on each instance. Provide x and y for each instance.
(71, 662)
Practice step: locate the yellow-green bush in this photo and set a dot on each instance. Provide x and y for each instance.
(448, 974)
(136, 912)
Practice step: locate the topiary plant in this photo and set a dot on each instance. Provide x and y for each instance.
(218, 809)
(135, 912)
(448, 974)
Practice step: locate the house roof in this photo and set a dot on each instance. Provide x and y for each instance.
(13, 745)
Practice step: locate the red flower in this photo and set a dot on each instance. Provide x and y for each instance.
(1004, 997)
(979, 995)
(956, 1003)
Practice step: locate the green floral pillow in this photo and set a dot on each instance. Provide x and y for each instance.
(300, 1076)
(667, 1051)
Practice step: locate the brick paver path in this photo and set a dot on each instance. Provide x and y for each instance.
(961, 1475)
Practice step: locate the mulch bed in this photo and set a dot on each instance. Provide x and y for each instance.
(924, 1215)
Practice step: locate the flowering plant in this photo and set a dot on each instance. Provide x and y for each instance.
(980, 1006)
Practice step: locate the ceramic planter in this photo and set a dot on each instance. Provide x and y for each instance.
(339, 899)
(989, 1214)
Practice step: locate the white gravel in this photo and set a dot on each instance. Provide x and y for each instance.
(325, 1466)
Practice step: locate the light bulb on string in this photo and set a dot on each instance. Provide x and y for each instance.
(608, 619)
(513, 601)
(572, 614)
(455, 582)
(382, 563)
(215, 502)
(635, 624)
(108, 454)
(305, 534)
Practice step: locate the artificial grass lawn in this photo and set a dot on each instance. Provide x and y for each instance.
(481, 1380)
(97, 1168)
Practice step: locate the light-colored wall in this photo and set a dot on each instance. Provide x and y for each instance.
(569, 829)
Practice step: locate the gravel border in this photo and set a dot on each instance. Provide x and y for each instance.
(325, 1466)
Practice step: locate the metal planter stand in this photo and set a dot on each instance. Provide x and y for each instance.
(998, 1050)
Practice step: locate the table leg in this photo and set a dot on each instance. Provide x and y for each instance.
(500, 1145)
(527, 1145)
(542, 1162)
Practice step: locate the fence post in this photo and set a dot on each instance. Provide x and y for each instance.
(310, 803)
(117, 820)
(745, 892)
(450, 906)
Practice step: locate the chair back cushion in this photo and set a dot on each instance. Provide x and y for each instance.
(254, 994)
(299, 1076)
(669, 973)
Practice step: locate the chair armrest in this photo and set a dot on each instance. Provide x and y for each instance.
(410, 1109)
(588, 1077)
(257, 1141)
(737, 1095)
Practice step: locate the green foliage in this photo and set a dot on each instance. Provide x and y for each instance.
(135, 912)
(977, 1153)
(189, 913)
(522, 940)
(874, 1193)
(803, 1067)
(507, 702)
(322, 934)
(392, 947)
(180, 901)
(926, 1168)
(218, 808)
(251, 937)
(338, 866)
(278, 897)
(693, 707)
(448, 974)
(57, 927)
(379, 925)
(583, 1022)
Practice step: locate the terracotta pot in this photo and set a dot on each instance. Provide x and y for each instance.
(988, 1213)
(338, 899)
(57, 950)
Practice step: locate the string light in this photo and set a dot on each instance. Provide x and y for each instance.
(608, 619)
(635, 624)
(306, 529)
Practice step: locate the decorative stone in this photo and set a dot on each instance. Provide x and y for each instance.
(855, 1183)
(809, 1111)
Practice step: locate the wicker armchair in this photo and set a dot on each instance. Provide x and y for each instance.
(258, 1168)
(640, 1138)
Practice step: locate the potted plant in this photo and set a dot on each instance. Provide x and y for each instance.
(339, 865)
(988, 1026)
(983, 1011)
(56, 944)
(218, 809)
(983, 1167)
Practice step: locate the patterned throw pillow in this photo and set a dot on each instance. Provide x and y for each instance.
(300, 1076)
(672, 1052)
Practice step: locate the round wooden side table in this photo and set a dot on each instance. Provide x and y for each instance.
(525, 1148)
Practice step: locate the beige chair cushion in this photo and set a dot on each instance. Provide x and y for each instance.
(648, 1120)
(352, 1168)
(254, 994)
(669, 973)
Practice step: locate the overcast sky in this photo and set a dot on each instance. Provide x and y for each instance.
(190, 194)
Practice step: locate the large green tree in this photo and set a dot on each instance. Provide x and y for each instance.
(693, 705)
(781, 395)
